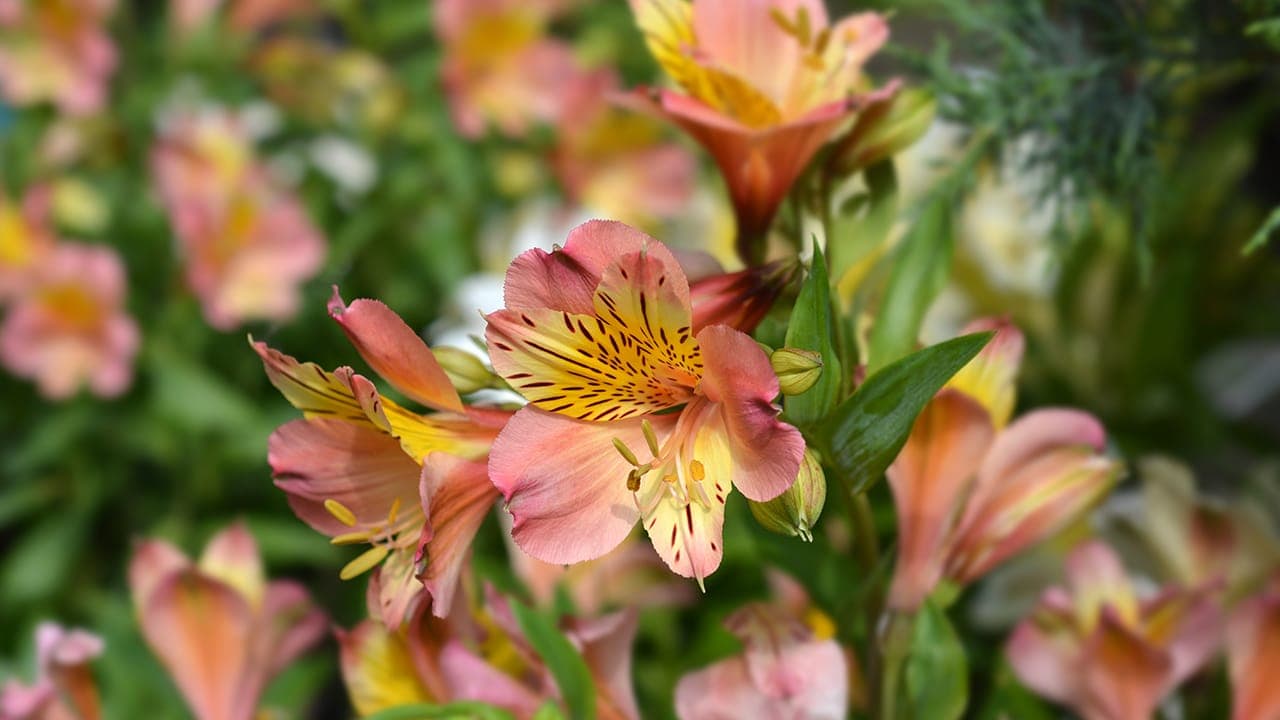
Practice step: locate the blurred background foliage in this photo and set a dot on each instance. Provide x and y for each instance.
(1131, 146)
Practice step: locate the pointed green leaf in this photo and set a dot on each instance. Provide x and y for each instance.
(566, 664)
(937, 671)
(921, 265)
(812, 328)
(863, 436)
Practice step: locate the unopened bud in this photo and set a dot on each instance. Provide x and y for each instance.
(796, 510)
(884, 129)
(797, 369)
(466, 371)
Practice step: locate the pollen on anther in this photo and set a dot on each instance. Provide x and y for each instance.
(697, 470)
(340, 512)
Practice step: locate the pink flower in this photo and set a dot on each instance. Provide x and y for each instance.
(56, 51)
(1253, 654)
(970, 492)
(64, 688)
(243, 15)
(219, 628)
(740, 299)
(785, 673)
(1096, 647)
(599, 338)
(70, 326)
(616, 162)
(26, 236)
(248, 242)
(362, 469)
(499, 68)
(767, 83)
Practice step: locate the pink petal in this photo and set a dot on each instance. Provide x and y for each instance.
(1029, 437)
(1123, 676)
(1044, 660)
(1096, 579)
(991, 377)
(785, 663)
(565, 484)
(294, 624)
(1199, 633)
(456, 496)
(153, 561)
(232, 557)
(929, 480)
(471, 678)
(364, 469)
(606, 646)
(766, 452)
(720, 691)
(395, 590)
(742, 37)
(395, 352)
(1253, 654)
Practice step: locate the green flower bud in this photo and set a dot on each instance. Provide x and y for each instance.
(797, 369)
(467, 373)
(795, 511)
(884, 129)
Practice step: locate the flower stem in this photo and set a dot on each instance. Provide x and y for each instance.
(895, 647)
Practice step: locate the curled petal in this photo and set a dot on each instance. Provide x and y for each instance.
(456, 495)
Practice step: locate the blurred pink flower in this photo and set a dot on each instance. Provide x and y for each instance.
(56, 51)
(784, 673)
(247, 241)
(364, 470)
(1098, 648)
(499, 66)
(599, 338)
(242, 15)
(970, 492)
(219, 628)
(64, 688)
(70, 327)
(26, 237)
(767, 83)
(1253, 654)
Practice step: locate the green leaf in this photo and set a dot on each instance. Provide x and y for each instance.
(1260, 238)
(452, 711)
(865, 222)
(566, 664)
(864, 434)
(937, 671)
(921, 265)
(812, 328)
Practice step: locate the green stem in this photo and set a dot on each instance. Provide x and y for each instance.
(895, 647)
(865, 542)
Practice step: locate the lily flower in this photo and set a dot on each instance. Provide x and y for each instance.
(25, 238)
(56, 51)
(248, 242)
(599, 338)
(64, 688)
(70, 326)
(499, 67)
(365, 470)
(970, 492)
(766, 82)
(1253, 654)
(785, 672)
(218, 626)
(1100, 649)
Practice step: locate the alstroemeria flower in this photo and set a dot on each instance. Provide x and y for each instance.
(499, 66)
(785, 673)
(482, 655)
(242, 15)
(599, 337)
(971, 492)
(1253, 654)
(362, 469)
(56, 51)
(247, 241)
(768, 82)
(740, 299)
(1100, 649)
(70, 327)
(25, 238)
(64, 688)
(218, 626)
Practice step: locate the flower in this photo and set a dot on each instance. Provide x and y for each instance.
(56, 51)
(970, 491)
(482, 655)
(248, 242)
(599, 338)
(70, 327)
(1098, 648)
(740, 299)
(25, 238)
(1253, 653)
(242, 15)
(64, 688)
(499, 68)
(219, 628)
(768, 82)
(362, 469)
(785, 672)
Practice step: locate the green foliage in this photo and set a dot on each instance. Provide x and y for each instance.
(451, 711)
(937, 671)
(812, 327)
(566, 664)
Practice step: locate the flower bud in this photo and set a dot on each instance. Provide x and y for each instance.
(467, 373)
(795, 511)
(797, 369)
(883, 129)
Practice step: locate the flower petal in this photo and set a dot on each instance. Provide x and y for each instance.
(1123, 676)
(377, 669)
(991, 377)
(785, 662)
(232, 557)
(456, 496)
(153, 562)
(929, 480)
(395, 352)
(293, 625)
(565, 484)
(471, 678)
(606, 646)
(764, 451)
(1044, 660)
(1253, 654)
